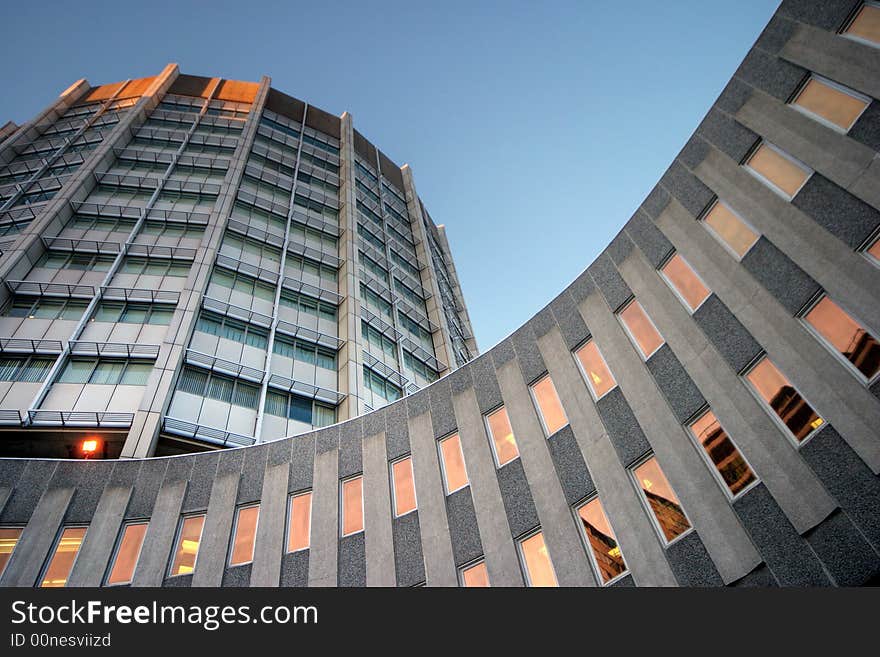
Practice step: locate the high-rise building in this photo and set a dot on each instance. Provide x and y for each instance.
(700, 407)
(196, 262)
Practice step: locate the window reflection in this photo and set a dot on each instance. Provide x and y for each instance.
(830, 103)
(188, 545)
(595, 369)
(846, 336)
(641, 329)
(404, 486)
(61, 563)
(866, 25)
(601, 540)
(730, 229)
(786, 402)
(352, 506)
(475, 576)
(452, 460)
(724, 455)
(128, 552)
(662, 500)
(8, 540)
(783, 173)
(549, 407)
(685, 281)
(536, 558)
(299, 522)
(502, 437)
(245, 535)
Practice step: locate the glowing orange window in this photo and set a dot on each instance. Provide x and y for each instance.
(724, 455)
(404, 486)
(661, 499)
(8, 540)
(846, 336)
(299, 522)
(475, 576)
(127, 553)
(866, 25)
(245, 535)
(874, 250)
(63, 557)
(685, 281)
(830, 103)
(641, 329)
(780, 171)
(794, 411)
(452, 462)
(549, 407)
(730, 229)
(352, 506)
(536, 559)
(601, 540)
(501, 434)
(595, 369)
(188, 545)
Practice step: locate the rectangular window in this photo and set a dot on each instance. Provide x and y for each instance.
(661, 500)
(865, 25)
(536, 561)
(127, 553)
(730, 229)
(299, 522)
(452, 464)
(641, 329)
(778, 170)
(244, 535)
(787, 403)
(549, 407)
(475, 575)
(8, 540)
(187, 548)
(685, 282)
(501, 433)
(722, 453)
(830, 103)
(604, 551)
(403, 486)
(845, 336)
(595, 370)
(63, 557)
(353, 505)
(873, 252)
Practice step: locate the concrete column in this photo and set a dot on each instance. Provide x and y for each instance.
(100, 540)
(378, 509)
(325, 520)
(214, 547)
(272, 527)
(159, 541)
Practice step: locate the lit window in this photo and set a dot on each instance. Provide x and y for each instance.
(865, 26)
(595, 370)
(830, 103)
(404, 486)
(536, 561)
(549, 407)
(299, 521)
(732, 231)
(685, 282)
(353, 505)
(61, 563)
(503, 443)
(723, 454)
(661, 499)
(781, 172)
(475, 575)
(244, 535)
(641, 329)
(8, 540)
(874, 251)
(127, 553)
(187, 549)
(452, 463)
(600, 538)
(792, 409)
(845, 336)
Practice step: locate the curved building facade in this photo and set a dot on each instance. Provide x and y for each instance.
(700, 407)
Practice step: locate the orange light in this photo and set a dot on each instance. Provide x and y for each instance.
(89, 446)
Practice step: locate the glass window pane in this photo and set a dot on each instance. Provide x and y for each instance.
(662, 500)
(685, 281)
(539, 568)
(107, 372)
(866, 24)
(127, 554)
(63, 557)
(352, 506)
(475, 576)
(830, 103)
(549, 407)
(454, 472)
(8, 540)
(733, 468)
(245, 535)
(299, 522)
(844, 334)
(778, 169)
(595, 369)
(188, 545)
(641, 329)
(300, 409)
(601, 540)
(404, 487)
(501, 434)
(76, 371)
(786, 402)
(136, 374)
(730, 229)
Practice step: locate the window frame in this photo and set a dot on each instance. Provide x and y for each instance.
(289, 517)
(491, 436)
(837, 87)
(391, 465)
(866, 247)
(851, 19)
(112, 563)
(769, 183)
(522, 556)
(646, 505)
(176, 545)
(363, 528)
(675, 290)
(632, 338)
(721, 240)
(233, 534)
(467, 477)
(472, 564)
(54, 549)
(707, 459)
(589, 548)
(585, 375)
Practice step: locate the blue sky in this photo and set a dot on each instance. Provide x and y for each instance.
(534, 129)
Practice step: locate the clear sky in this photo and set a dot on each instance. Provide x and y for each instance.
(534, 129)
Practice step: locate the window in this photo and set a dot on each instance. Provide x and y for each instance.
(873, 251)
(8, 540)
(786, 402)
(661, 500)
(595, 370)
(187, 548)
(601, 542)
(865, 25)
(501, 434)
(549, 407)
(352, 505)
(640, 329)
(830, 103)
(155, 267)
(299, 521)
(133, 313)
(403, 486)
(475, 575)
(536, 561)
(685, 282)
(233, 329)
(222, 388)
(781, 172)
(128, 550)
(381, 386)
(452, 464)
(64, 554)
(244, 535)
(299, 408)
(105, 372)
(25, 369)
(722, 453)
(730, 229)
(845, 336)
(44, 308)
